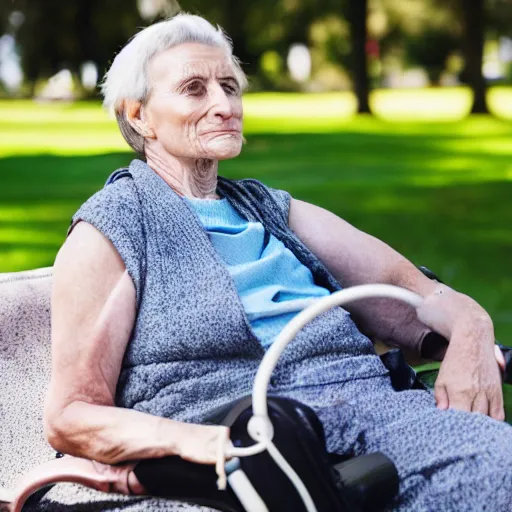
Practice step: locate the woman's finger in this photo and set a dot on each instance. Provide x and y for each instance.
(481, 404)
(500, 358)
(441, 396)
(496, 408)
(461, 401)
(200, 443)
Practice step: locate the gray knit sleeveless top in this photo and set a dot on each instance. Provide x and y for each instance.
(192, 348)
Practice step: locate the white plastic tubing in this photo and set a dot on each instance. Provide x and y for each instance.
(260, 426)
(341, 298)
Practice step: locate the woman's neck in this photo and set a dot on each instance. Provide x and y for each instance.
(186, 176)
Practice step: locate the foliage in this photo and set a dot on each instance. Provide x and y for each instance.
(499, 13)
(417, 32)
(272, 26)
(57, 34)
(430, 50)
(421, 32)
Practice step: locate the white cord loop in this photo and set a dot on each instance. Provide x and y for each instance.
(260, 427)
(223, 446)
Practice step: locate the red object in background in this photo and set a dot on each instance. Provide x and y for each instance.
(373, 48)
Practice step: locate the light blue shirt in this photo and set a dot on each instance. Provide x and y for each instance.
(272, 283)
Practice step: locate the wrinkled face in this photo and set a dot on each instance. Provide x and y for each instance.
(194, 107)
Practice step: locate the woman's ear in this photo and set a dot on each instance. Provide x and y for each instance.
(134, 112)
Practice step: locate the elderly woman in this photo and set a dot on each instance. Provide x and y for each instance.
(174, 281)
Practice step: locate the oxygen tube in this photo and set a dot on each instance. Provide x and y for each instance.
(260, 427)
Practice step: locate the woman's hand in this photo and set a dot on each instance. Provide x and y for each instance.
(469, 378)
(201, 443)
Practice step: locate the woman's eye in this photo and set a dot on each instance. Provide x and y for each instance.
(195, 89)
(230, 89)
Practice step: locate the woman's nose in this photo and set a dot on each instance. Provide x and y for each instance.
(221, 104)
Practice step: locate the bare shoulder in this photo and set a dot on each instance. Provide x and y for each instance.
(88, 262)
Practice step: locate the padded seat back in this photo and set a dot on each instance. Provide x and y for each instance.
(24, 371)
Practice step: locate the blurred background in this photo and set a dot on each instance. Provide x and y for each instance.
(395, 114)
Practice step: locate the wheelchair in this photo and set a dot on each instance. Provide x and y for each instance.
(279, 460)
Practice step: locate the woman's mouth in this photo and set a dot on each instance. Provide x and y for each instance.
(226, 131)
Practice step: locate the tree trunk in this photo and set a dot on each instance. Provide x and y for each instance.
(474, 27)
(234, 25)
(357, 13)
(85, 33)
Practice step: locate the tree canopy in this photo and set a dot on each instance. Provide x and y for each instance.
(353, 43)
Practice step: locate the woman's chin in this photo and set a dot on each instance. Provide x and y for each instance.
(224, 148)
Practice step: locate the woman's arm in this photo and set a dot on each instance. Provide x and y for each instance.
(93, 313)
(469, 378)
(354, 257)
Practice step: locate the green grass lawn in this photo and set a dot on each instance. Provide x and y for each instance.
(433, 184)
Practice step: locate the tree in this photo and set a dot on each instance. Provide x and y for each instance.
(244, 23)
(473, 13)
(57, 35)
(465, 21)
(430, 50)
(357, 11)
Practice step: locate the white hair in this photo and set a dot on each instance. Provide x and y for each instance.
(127, 77)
